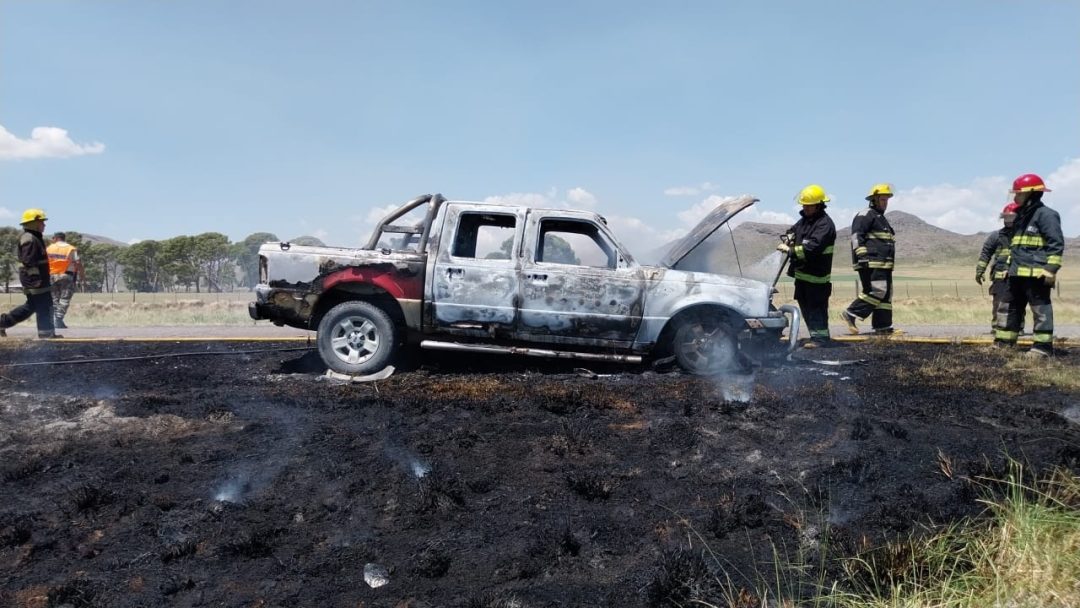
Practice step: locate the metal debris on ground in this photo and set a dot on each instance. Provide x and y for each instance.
(588, 373)
(382, 374)
(838, 362)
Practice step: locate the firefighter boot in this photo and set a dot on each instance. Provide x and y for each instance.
(849, 320)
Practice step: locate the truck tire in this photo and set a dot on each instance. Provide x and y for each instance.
(356, 338)
(705, 345)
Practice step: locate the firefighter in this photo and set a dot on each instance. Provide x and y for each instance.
(995, 256)
(1035, 253)
(34, 277)
(809, 246)
(873, 250)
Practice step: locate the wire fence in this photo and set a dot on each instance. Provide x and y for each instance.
(15, 297)
(921, 289)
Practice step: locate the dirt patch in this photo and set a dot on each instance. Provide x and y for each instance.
(247, 480)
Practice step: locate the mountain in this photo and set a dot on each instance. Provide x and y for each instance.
(94, 239)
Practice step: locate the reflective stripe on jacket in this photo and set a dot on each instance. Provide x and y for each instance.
(995, 253)
(1037, 242)
(60, 257)
(812, 245)
(873, 240)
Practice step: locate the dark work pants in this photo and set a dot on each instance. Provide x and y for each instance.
(1000, 313)
(39, 304)
(813, 299)
(1024, 292)
(876, 297)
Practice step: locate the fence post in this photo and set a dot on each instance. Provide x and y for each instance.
(957, 288)
(931, 289)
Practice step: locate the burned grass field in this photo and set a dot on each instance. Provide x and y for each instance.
(237, 476)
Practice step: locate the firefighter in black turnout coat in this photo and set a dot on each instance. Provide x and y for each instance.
(809, 245)
(1035, 251)
(995, 256)
(873, 252)
(34, 277)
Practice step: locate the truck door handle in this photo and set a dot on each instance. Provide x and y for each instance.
(455, 273)
(536, 277)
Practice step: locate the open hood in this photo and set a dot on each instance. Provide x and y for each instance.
(716, 218)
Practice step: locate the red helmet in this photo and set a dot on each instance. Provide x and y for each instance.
(1010, 209)
(1029, 182)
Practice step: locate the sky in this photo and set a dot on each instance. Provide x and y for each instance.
(137, 119)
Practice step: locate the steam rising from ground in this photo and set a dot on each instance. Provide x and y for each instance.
(735, 388)
(412, 463)
(249, 476)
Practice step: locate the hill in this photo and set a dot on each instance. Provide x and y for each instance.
(94, 239)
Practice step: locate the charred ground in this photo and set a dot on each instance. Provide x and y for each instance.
(244, 479)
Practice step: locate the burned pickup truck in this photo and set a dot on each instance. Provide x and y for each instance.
(497, 278)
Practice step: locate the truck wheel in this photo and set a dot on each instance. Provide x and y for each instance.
(356, 338)
(704, 346)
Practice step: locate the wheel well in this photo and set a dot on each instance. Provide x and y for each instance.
(369, 293)
(726, 315)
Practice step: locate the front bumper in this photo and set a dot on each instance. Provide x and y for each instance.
(777, 321)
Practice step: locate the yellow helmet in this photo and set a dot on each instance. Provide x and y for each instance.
(32, 215)
(812, 195)
(885, 189)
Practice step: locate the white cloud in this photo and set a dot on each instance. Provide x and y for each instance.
(530, 199)
(694, 214)
(974, 207)
(6, 213)
(44, 142)
(1065, 196)
(690, 190)
(965, 209)
(581, 197)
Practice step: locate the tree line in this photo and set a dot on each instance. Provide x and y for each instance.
(206, 262)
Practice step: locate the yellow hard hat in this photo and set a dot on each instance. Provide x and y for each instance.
(812, 195)
(32, 215)
(885, 189)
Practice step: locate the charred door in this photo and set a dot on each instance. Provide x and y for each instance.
(475, 276)
(577, 286)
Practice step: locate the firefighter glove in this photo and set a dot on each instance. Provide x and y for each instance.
(1049, 278)
(979, 278)
(784, 247)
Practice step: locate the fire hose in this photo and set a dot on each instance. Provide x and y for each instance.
(157, 356)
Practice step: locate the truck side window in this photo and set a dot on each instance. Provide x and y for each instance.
(488, 236)
(576, 243)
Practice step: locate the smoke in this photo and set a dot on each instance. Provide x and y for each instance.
(1072, 413)
(735, 388)
(286, 428)
(767, 268)
(413, 464)
(234, 489)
